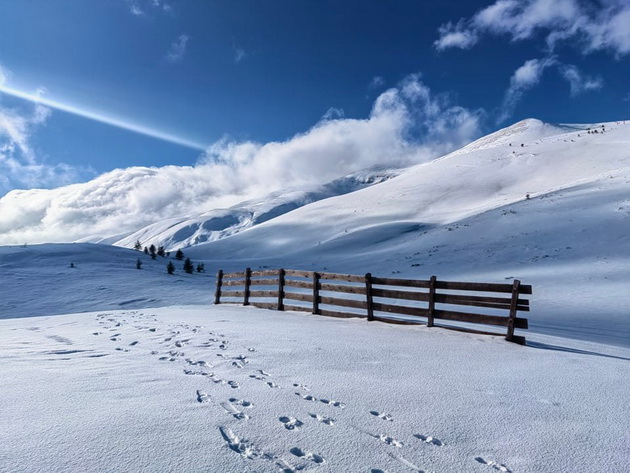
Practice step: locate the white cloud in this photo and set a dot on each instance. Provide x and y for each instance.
(407, 124)
(578, 82)
(524, 78)
(455, 36)
(177, 49)
(140, 7)
(588, 27)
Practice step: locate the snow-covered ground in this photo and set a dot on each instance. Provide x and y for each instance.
(233, 389)
(136, 383)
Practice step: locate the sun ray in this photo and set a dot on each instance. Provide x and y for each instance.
(116, 122)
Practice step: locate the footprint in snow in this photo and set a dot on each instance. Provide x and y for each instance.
(241, 402)
(202, 397)
(494, 465)
(341, 405)
(301, 386)
(233, 384)
(291, 423)
(233, 411)
(238, 445)
(388, 440)
(430, 440)
(258, 377)
(298, 452)
(382, 415)
(271, 384)
(307, 397)
(322, 419)
(134, 343)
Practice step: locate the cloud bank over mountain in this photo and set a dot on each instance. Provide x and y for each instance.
(408, 124)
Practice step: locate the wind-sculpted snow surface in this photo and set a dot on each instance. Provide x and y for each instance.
(214, 388)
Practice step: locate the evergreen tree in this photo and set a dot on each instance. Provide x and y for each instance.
(170, 267)
(200, 268)
(179, 255)
(152, 251)
(146, 250)
(160, 251)
(138, 246)
(138, 264)
(188, 266)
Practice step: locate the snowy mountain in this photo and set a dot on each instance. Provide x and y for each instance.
(216, 224)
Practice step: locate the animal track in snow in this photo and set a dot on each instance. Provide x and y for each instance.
(263, 373)
(322, 419)
(166, 358)
(291, 423)
(196, 372)
(430, 440)
(258, 377)
(307, 397)
(241, 402)
(216, 380)
(229, 407)
(237, 364)
(233, 384)
(341, 405)
(202, 397)
(389, 440)
(301, 386)
(298, 452)
(271, 384)
(494, 465)
(134, 343)
(382, 415)
(238, 445)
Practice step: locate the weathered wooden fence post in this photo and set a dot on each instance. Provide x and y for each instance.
(280, 289)
(248, 283)
(217, 293)
(368, 296)
(431, 311)
(513, 308)
(316, 278)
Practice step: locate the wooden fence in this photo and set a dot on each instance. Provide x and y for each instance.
(382, 299)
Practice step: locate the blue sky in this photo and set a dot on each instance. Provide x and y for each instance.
(256, 72)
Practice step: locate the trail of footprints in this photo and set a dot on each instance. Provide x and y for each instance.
(237, 408)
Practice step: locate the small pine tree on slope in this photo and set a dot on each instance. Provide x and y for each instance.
(188, 266)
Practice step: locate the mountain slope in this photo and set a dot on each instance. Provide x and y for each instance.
(216, 224)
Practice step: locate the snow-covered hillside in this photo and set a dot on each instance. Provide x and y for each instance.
(213, 225)
(467, 216)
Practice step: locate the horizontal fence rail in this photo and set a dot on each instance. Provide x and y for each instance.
(399, 301)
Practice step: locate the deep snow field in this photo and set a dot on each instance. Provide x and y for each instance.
(107, 368)
(233, 389)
